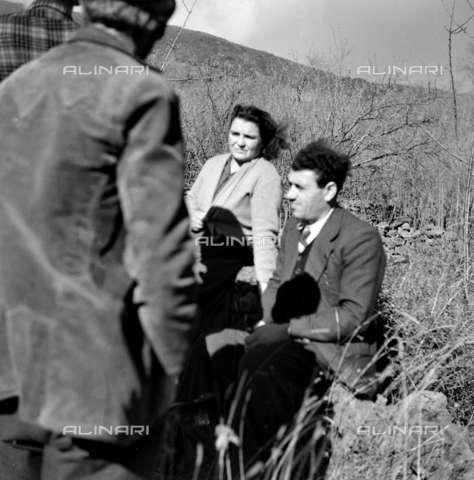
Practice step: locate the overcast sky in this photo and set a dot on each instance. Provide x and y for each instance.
(380, 33)
(376, 33)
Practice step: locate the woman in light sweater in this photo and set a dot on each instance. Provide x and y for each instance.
(234, 206)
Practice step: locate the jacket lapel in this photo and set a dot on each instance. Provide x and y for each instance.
(291, 249)
(323, 245)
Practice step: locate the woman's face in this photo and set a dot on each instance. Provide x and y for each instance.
(245, 142)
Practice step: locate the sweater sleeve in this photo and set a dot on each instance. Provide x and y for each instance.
(265, 210)
(269, 296)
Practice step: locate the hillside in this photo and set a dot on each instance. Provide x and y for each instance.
(195, 50)
(9, 7)
(196, 53)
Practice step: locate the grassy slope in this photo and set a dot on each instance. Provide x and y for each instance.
(194, 49)
(401, 172)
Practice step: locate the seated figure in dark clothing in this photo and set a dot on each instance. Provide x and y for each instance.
(318, 324)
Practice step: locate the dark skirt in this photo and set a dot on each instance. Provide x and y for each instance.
(255, 389)
(223, 261)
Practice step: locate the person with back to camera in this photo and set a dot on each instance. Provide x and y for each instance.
(95, 253)
(234, 205)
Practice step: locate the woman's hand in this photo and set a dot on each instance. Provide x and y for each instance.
(197, 221)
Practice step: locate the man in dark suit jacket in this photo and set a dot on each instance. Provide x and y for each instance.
(318, 308)
(319, 305)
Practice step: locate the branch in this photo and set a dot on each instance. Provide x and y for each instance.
(202, 78)
(189, 10)
(389, 154)
(450, 57)
(443, 147)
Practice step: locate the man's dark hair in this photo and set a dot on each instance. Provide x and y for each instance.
(273, 134)
(327, 164)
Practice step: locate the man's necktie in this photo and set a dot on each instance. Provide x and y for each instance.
(304, 234)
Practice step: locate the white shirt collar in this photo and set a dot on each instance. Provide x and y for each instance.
(317, 226)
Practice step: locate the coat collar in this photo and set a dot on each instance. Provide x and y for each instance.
(61, 10)
(332, 227)
(101, 36)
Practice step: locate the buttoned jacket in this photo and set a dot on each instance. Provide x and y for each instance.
(341, 279)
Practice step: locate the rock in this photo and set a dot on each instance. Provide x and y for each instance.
(451, 236)
(406, 226)
(395, 258)
(432, 231)
(382, 227)
(415, 435)
(399, 222)
(402, 251)
(393, 242)
(409, 234)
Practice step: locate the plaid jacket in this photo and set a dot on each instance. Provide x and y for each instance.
(26, 35)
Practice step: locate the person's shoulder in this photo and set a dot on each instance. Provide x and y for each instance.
(91, 45)
(213, 164)
(139, 78)
(216, 160)
(139, 71)
(352, 225)
(14, 18)
(290, 231)
(154, 78)
(22, 16)
(291, 225)
(266, 167)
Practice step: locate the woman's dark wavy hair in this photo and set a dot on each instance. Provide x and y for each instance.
(328, 164)
(273, 134)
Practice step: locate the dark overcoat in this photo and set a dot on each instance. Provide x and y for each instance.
(95, 256)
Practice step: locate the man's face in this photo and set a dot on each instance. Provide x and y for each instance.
(309, 201)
